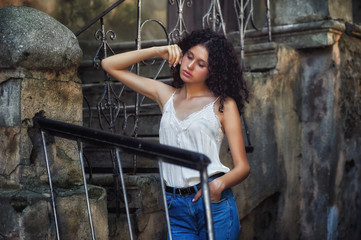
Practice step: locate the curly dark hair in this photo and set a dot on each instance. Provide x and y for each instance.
(225, 73)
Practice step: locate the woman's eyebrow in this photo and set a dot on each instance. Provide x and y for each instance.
(190, 52)
(200, 59)
(203, 61)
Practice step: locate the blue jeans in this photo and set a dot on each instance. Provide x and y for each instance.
(188, 221)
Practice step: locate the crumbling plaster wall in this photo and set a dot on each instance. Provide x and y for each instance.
(304, 116)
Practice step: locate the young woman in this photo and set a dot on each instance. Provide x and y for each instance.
(203, 104)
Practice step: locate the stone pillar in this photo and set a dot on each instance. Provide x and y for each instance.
(304, 117)
(38, 72)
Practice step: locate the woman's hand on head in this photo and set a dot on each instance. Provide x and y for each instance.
(171, 53)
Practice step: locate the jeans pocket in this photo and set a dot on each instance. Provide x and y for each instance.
(220, 201)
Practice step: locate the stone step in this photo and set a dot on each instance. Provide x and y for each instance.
(115, 199)
(141, 189)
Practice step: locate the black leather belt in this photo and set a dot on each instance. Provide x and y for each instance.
(183, 191)
(189, 190)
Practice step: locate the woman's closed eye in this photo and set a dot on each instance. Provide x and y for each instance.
(201, 65)
(189, 57)
(200, 62)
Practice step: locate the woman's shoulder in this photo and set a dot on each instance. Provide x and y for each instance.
(165, 94)
(229, 108)
(229, 104)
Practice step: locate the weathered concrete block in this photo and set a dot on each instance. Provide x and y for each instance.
(10, 103)
(9, 152)
(118, 226)
(152, 226)
(34, 40)
(29, 214)
(265, 51)
(37, 73)
(148, 220)
(73, 215)
(294, 11)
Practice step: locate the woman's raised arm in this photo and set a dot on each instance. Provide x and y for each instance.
(117, 65)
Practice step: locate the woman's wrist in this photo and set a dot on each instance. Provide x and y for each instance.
(219, 185)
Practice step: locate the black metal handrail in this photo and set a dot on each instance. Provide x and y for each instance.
(154, 151)
(96, 19)
(169, 154)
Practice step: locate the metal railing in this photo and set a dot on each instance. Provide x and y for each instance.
(153, 151)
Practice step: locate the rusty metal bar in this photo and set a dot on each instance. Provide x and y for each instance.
(207, 203)
(164, 198)
(124, 193)
(52, 194)
(80, 148)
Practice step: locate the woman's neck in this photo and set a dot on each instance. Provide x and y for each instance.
(195, 90)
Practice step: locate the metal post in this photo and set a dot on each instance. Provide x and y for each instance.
(50, 186)
(107, 78)
(180, 17)
(164, 198)
(214, 15)
(124, 193)
(268, 16)
(241, 32)
(207, 203)
(80, 148)
(136, 100)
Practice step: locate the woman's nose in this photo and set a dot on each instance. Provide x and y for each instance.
(191, 64)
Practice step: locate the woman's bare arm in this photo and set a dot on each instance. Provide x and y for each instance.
(231, 123)
(117, 67)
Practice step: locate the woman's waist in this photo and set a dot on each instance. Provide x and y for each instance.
(191, 189)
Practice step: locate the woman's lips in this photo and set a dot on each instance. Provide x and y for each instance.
(186, 74)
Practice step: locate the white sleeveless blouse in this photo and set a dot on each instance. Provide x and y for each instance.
(200, 132)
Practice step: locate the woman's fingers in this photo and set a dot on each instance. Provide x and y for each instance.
(175, 55)
(179, 55)
(171, 54)
(197, 196)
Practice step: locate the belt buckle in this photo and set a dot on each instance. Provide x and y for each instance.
(183, 191)
(179, 191)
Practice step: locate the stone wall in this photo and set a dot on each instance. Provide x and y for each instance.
(38, 67)
(304, 116)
